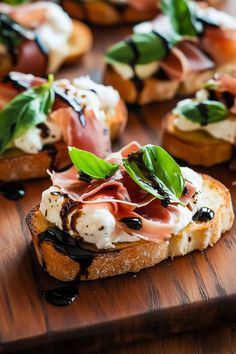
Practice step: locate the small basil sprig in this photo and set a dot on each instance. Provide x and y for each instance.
(183, 16)
(152, 168)
(141, 48)
(26, 110)
(156, 172)
(204, 112)
(90, 165)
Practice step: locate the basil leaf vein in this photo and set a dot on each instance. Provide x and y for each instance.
(91, 165)
(204, 112)
(156, 172)
(26, 110)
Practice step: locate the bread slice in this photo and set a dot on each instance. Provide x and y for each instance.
(154, 89)
(80, 41)
(104, 13)
(197, 147)
(132, 257)
(54, 156)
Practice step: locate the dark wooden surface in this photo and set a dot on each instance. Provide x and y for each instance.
(189, 293)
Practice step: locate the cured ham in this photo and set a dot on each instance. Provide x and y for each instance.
(220, 44)
(29, 55)
(185, 58)
(225, 89)
(125, 198)
(91, 134)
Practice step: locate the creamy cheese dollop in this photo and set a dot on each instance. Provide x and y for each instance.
(54, 33)
(225, 129)
(97, 225)
(32, 141)
(97, 97)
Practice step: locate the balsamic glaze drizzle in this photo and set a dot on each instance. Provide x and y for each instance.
(139, 83)
(203, 109)
(203, 215)
(45, 130)
(12, 191)
(136, 80)
(74, 103)
(69, 246)
(137, 158)
(7, 26)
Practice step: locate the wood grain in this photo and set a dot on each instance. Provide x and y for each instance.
(189, 293)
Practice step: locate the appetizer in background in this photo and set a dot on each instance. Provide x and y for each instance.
(38, 38)
(111, 12)
(39, 118)
(125, 213)
(173, 55)
(202, 131)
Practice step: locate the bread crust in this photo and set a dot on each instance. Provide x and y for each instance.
(196, 148)
(153, 89)
(80, 41)
(132, 257)
(104, 14)
(55, 156)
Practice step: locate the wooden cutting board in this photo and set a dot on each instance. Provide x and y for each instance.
(188, 293)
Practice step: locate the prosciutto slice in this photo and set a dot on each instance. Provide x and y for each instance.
(91, 135)
(125, 197)
(184, 59)
(220, 44)
(31, 55)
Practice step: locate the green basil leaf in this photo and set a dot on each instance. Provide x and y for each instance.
(204, 112)
(183, 16)
(156, 172)
(15, 2)
(141, 48)
(91, 165)
(26, 110)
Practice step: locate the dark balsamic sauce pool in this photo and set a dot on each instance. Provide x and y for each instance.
(12, 191)
(62, 295)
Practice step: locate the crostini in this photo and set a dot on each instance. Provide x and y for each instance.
(38, 38)
(173, 55)
(202, 131)
(39, 118)
(113, 12)
(125, 213)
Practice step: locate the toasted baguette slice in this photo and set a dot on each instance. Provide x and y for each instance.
(196, 148)
(104, 13)
(80, 41)
(16, 165)
(154, 89)
(132, 257)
